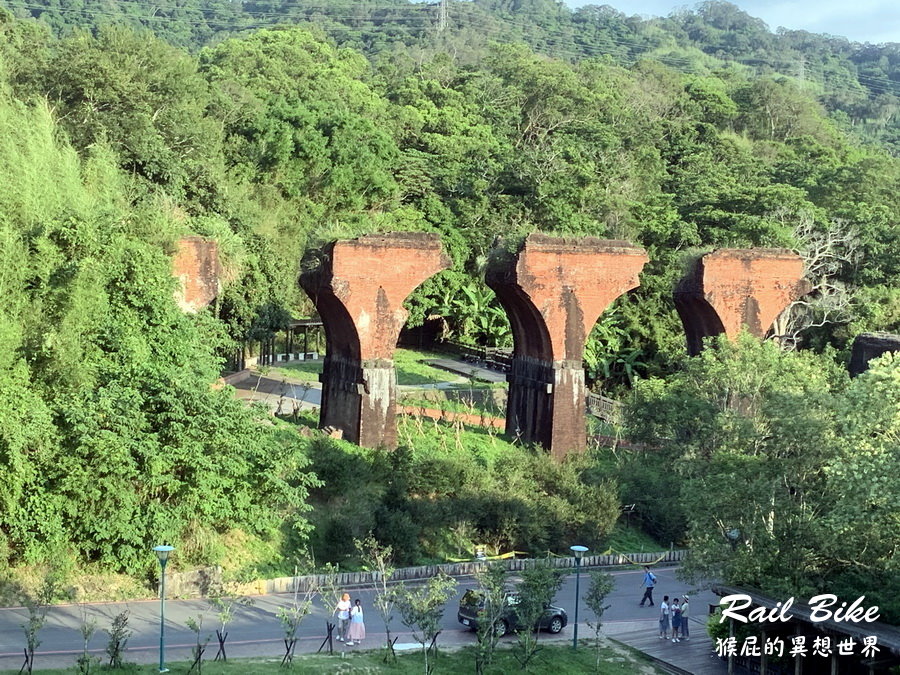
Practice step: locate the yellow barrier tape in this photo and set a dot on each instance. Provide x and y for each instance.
(639, 563)
(551, 554)
(502, 556)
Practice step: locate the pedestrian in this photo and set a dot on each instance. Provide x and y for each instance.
(664, 618)
(675, 612)
(357, 624)
(685, 608)
(343, 614)
(648, 583)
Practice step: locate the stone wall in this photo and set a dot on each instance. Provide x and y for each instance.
(367, 579)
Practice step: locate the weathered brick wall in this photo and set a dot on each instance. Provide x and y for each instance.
(554, 291)
(196, 266)
(358, 287)
(731, 288)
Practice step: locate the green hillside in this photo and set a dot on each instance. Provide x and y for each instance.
(274, 126)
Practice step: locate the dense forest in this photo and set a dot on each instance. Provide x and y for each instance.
(858, 83)
(271, 126)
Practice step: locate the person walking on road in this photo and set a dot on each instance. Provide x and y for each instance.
(357, 624)
(343, 614)
(685, 609)
(664, 618)
(648, 583)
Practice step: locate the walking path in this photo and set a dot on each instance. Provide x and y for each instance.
(690, 657)
(468, 369)
(280, 394)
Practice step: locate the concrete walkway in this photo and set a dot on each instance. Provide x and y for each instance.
(467, 369)
(279, 394)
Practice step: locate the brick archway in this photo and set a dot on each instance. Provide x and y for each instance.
(733, 288)
(554, 290)
(358, 287)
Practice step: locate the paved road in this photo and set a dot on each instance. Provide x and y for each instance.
(255, 630)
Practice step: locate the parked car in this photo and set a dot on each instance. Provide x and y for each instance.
(471, 605)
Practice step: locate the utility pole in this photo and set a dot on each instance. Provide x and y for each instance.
(442, 15)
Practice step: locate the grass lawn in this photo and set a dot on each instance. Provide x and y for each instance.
(308, 371)
(551, 660)
(440, 400)
(410, 365)
(632, 540)
(412, 369)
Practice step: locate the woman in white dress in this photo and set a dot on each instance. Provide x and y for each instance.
(357, 625)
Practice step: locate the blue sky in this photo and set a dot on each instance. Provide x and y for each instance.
(860, 20)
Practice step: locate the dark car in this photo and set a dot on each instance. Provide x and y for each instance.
(471, 605)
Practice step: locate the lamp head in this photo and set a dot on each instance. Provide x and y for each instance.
(578, 551)
(162, 553)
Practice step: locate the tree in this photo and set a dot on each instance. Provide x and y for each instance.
(827, 253)
(224, 604)
(859, 532)
(85, 663)
(119, 633)
(378, 559)
(117, 433)
(422, 608)
(601, 586)
(292, 616)
(195, 624)
(145, 99)
(536, 591)
(37, 606)
(756, 442)
(492, 594)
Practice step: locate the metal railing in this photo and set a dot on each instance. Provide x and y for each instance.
(606, 409)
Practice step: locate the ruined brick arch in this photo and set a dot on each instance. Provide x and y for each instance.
(358, 287)
(196, 267)
(699, 320)
(730, 289)
(530, 333)
(341, 336)
(553, 291)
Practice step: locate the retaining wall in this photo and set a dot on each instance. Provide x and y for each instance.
(184, 584)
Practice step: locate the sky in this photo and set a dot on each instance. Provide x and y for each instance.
(872, 21)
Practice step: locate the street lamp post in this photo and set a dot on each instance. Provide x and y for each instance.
(162, 554)
(578, 551)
